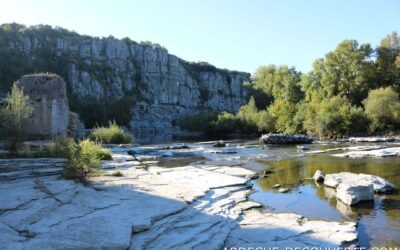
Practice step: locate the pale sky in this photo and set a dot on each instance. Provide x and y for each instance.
(233, 34)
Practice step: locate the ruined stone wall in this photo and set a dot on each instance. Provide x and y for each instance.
(48, 97)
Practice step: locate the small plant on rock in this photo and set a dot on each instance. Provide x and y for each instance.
(117, 174)
(84, 159)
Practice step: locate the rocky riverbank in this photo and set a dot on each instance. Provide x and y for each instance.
(187, 207)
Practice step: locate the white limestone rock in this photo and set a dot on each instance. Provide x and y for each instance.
(351, 194)
(162, 208)
(289, 230)
(380, 152)
(371, 139)
(380, 185)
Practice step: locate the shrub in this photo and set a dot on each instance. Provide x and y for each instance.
(84, 159)
(247, 121)
(62, 146)
(117, 174)
(13, 117)
(197, 122)
(382, 107)
(111, 134)
(226, 123)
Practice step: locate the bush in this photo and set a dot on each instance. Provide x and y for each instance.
(13, 117)
(197, 122)
(117, 174)
(247, 121)
(227, 123)
(84, 159)
(382, 107)
(62, 146)
(112, 134)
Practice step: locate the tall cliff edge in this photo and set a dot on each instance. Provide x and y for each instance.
(159, 87)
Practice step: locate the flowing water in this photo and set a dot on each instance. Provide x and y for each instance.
(378, 221)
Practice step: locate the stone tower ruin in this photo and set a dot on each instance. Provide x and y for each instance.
(48, 96)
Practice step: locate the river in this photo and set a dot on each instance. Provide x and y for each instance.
(378, 221)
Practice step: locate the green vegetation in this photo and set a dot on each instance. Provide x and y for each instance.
(382, 107)
(98, 112)
(112, 134)
(354, 89)
(16, 112)
(84, 159)
(333, 117)
(117, 174)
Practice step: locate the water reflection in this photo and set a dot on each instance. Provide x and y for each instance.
(379, 221)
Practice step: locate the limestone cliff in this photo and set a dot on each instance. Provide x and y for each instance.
(163, 86)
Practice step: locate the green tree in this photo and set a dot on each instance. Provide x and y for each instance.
(388, 62)
(283, 111)
(312, 81)
(279, 82)
(13, 117)
(382, 107)
(332, 117)
(248, 112)
(347, 71)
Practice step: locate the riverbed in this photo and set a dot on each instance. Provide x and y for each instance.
(191, 195)
(378, 221)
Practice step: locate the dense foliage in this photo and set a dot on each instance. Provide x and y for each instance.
(353, 89)
(382, 107)
(111, 134)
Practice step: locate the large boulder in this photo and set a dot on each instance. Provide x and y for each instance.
(319, 176)
(286, 139)
(379, 184)
(352, 188)
(48, 96)
(351, 194)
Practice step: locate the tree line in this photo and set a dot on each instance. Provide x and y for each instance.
(352, 90)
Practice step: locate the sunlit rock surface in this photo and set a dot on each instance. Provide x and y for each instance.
(167, 208)
(379, 184)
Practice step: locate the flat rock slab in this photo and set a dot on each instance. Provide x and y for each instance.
(11, 169)
(382, 152)
(285, 230)
(371, 139)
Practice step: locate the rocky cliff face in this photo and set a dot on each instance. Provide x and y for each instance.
(164, 86)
